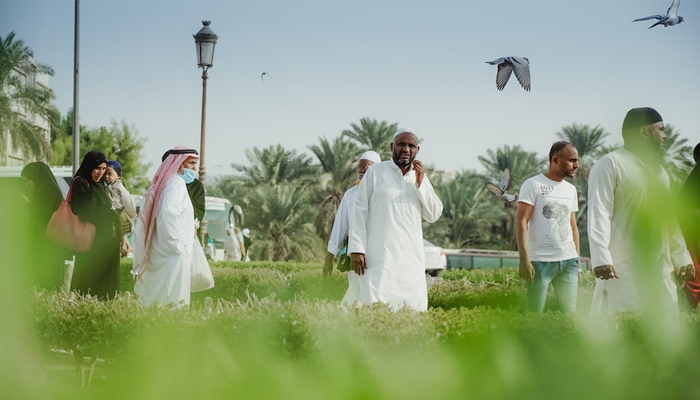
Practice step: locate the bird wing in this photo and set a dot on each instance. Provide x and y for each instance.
(509, 197)
(504, 184)
(673, 10)
(494, 189)
(503, 74)
(521, 68)
(659, 17)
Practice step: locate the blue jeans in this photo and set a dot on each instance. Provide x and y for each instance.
(563, 275)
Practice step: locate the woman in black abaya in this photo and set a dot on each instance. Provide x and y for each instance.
(97, 271)
(47, 259)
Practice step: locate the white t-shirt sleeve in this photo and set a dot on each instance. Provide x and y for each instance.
(528, 192)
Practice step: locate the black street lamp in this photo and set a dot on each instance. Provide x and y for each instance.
(205, 40)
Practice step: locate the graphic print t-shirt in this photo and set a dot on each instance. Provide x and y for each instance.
(549, 231)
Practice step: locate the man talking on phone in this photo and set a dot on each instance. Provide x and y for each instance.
(386, 235)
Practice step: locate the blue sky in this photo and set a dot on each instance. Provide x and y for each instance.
(330, 63)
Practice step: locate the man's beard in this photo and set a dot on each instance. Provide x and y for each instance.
(398, 161)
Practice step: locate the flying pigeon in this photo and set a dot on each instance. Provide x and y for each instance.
(506, 65)
(262, 77)
(501, 191)
(671, 18)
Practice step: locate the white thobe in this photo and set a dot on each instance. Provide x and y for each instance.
(341, 224)
(232, 248)
(619, 191)
(385, 226)
(166, 278)
(341, 227)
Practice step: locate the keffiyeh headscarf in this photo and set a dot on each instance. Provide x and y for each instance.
(172, 160)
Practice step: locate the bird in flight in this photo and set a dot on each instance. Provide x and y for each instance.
(519, 65)
(671, 18)
(501, 191)
(262, 77)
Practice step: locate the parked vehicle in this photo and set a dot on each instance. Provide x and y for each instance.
(63, 175)
(489, 259)
(221, 215)
(435, 260)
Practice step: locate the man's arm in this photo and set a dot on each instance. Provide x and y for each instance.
(526, 270)
(601, 201)
(431, 205)
(198, 197)
(576, 235)
(359, 215)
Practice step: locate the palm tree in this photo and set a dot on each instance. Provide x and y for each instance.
(280, 218)
(275, 165)
(21, 100)
(372, 135)
(337, 161)
(471, 217)
(522, 164)
(590, 143)
(587, 140)
(678, 156)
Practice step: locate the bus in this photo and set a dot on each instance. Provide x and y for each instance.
(490, 259)
(221, 215)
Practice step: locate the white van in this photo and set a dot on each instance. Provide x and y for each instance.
(221, 215)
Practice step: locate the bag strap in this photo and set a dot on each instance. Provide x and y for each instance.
(70, 189)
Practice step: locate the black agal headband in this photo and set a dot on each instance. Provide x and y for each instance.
(183, 151)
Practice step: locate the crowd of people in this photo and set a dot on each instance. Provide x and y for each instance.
(641, 244)
(638, 252)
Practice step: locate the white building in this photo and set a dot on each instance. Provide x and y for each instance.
(16, 158)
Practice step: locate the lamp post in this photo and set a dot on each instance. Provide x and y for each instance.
(205, 40)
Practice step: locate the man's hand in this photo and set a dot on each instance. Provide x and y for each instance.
(328, 265)
(420, 171)
(357, 263)
(527, 271)
(605, 272)
(686, 273)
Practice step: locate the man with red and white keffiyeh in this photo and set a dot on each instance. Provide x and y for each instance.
(164, 233)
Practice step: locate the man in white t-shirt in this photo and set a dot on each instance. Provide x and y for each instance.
(546, 231)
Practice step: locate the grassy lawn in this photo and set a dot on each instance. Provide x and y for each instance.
(277, 330)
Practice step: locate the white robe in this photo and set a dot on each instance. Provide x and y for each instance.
(166, 278)
(341, 228)
(341, 224)
(232, 248)
(385, 226)
(619, 188)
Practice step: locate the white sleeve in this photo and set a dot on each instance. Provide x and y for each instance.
(340, 226)
(528, 194)
(171, 238)
(359, 214)
(601, 200)
(431, 205)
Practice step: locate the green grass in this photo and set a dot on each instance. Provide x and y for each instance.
(277, 330)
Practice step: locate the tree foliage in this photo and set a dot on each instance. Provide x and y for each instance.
(371, 134)
(337, 161)
(22, 100)
(290, 200)
(120, 141)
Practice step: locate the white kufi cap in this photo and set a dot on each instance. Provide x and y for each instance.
(404, 129)
(371, 156)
